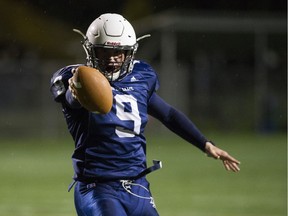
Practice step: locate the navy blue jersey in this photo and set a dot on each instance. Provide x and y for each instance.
(110, 146)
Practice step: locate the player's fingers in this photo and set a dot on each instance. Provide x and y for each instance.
(72, 88)
(226, 165)
(73, 70)
(234, 167)
(70, 81)
(226, 156)
(231, 166)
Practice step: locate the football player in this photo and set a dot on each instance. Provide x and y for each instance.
(109, 159)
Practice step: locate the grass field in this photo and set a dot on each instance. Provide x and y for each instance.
(35, 175)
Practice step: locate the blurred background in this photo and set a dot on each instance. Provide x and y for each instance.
(223, 63)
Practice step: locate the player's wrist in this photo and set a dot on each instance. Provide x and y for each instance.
(208, 145)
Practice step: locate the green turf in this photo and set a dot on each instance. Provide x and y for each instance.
(35, 175)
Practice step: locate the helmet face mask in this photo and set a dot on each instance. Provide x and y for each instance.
(110, 45)
(109, 60)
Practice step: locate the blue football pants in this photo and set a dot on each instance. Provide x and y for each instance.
(114, 198)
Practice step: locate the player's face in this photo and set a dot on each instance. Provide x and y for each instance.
(110, 60)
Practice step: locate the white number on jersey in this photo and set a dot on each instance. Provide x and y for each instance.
(133, 115)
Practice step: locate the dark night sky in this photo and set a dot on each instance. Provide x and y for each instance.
(79, 12)
(35, 21)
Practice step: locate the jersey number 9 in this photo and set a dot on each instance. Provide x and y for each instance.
(124, 114)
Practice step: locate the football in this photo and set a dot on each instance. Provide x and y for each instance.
(93, 90)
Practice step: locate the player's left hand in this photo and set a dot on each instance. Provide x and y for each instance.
(229, 162)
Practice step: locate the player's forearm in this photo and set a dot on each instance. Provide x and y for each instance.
(185, 128)
(176, 121)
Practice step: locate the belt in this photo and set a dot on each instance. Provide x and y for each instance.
(156, 165)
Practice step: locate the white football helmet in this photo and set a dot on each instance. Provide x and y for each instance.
(110, 31)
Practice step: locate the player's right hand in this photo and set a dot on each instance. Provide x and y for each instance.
(72, 86)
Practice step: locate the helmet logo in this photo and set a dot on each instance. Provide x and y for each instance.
(111, 43)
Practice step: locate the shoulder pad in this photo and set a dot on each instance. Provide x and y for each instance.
(147, 71)
(59, 81)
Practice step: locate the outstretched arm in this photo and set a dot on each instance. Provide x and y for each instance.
(179, 123)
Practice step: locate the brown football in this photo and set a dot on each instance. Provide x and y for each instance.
(93, 90)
